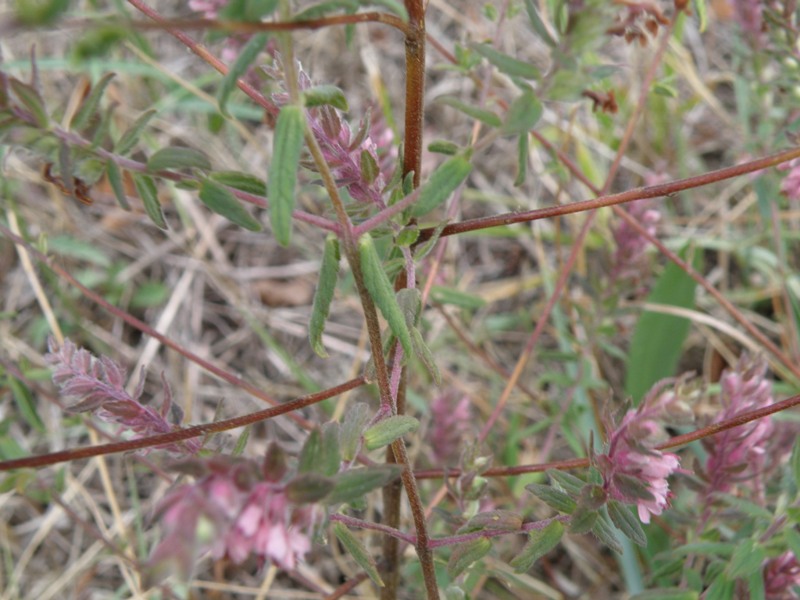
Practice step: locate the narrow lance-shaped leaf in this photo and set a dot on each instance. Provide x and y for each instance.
(115, 179)
(507, 64)
(355, 483)
(441, 184)
(522, 159)
(178, 158)
(328, 273)
(357, 550)
(388, 430)
(246, 57)
(481, 114)
(286, 149)
(311, 454)
(128, 140)
(658, 338)
(382, 292)
(322, 95)
(424, 354)
(32, 100)
(626, 523)
(240, 181)
(523, 114)
(329, 446)
(465, 554)
(222, 201)
(540, 542)
(89, 107)
(148, 192)
(355, 419)
(538, 24)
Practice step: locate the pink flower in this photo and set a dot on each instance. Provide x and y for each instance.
(451, 418)
(361, 161)
(738, 454)
(99, 383)
(634, 472)
(230, 511)
(781, 577)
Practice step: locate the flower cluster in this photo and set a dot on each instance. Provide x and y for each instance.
(360, 161)
(234, 511)
(781, 577)
(738, 454)
(99, 383)
(630, 260)
(634, 471)
(451, 417)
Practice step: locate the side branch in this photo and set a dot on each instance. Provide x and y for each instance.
(180, 434)
(651, 191)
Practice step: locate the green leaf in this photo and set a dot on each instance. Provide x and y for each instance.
(721, 588)
(465, 554)
(148, 192)
(554, 498)
(444, 147)
(395, 6)
(25, 403)
(567, 481)
(222, 201)
(602, 529)
(241, 441)
(583, 520)
(31, 100)
(755, 585)
(369, 166)
(523, 114)
(701, 9)
(40, 12)
(178, 158)
(248, 11)
(325, 95)
(357, 550)
(98, 42)
(538, 24)
(441, 184)
(382, 292)
(352, 427)
(747, 558)
(792, 537)
(115, 179)
(243, 61)
(658, 338)
(424, 354)
(149, 294)
(355, 483)
(507, 64)
(328, 274)
(493, 520)
(522, 159)
(540, 542)
(795, 463)
(128, 140)
(286, 149)
(329, 447)
(484, 116)
(388, 430)
(311, 454)
(308, 487)
(240, 181)
(89, 107)
(626, 523)
(454, 297)
(666, 594)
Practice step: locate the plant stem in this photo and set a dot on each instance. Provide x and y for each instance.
(179, 434)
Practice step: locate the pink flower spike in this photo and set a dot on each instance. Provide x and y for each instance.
(99, 385)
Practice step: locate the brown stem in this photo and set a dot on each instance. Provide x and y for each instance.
(392, 496)
(179, 435)
(254, 27)
(415, 89)
(651, 191)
